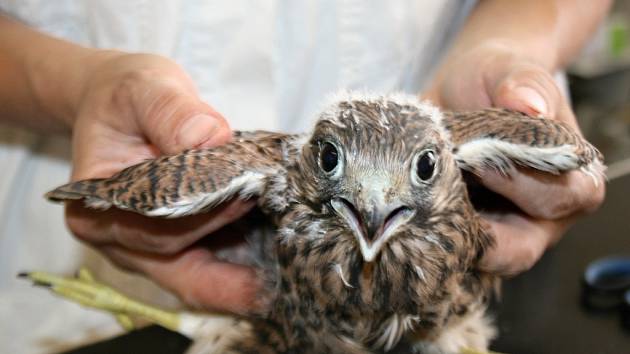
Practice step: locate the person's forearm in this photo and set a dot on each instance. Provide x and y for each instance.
(550, 32)
(41, 78)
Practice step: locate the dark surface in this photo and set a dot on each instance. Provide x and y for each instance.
(540, 311)
(152, 339)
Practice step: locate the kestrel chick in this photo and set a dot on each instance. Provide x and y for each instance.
(372, 235)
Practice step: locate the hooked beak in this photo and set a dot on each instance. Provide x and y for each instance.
(374, 227)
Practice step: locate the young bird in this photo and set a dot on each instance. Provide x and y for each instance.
(371, 239)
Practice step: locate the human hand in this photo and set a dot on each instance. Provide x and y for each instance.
(494, 74)
(136, 107)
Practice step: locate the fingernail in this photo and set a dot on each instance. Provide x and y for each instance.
(197, 130)
(532, 99)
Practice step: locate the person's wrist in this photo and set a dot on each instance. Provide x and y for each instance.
(59, 82)
(90, 63)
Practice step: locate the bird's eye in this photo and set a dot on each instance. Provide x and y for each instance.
(425, 165)
(329, 157)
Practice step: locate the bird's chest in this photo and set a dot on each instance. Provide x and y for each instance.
(332, 275)
(326, 289)
(308, 326)
(361, 304)
(343, 323)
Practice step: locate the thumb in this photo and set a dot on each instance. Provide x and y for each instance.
(520, 241)
(529, 89)
(175, 121)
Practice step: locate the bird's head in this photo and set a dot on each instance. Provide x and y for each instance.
(378, 167)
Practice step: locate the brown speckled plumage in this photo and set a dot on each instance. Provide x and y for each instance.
(329, 294)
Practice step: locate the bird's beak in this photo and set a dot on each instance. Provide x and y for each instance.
(374, 225)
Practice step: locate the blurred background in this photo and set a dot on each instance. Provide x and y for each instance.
(600, 89)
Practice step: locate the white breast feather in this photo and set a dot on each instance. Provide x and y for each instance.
(393, 330)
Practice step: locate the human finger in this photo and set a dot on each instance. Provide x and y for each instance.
(151, 235)
(198, 278)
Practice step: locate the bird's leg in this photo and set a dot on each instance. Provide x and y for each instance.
(124, 320)
(86, 291)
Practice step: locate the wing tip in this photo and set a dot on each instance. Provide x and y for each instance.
(61, 194)
(86, 189)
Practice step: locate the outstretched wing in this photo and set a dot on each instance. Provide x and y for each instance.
(500, 138)
(188, 183)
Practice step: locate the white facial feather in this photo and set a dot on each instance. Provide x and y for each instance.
(294, 145)
(425, 108)
(375, 185)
